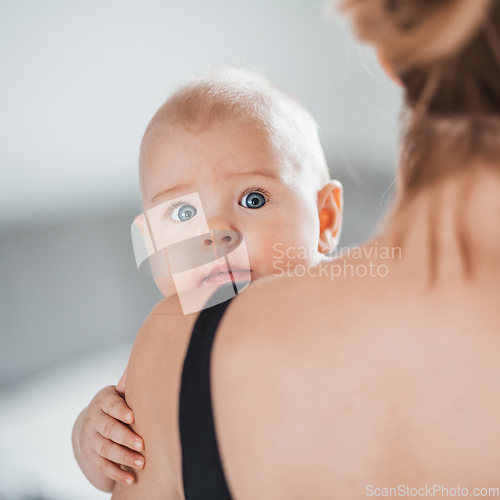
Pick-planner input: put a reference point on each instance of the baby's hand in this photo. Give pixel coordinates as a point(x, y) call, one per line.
point(104, 441)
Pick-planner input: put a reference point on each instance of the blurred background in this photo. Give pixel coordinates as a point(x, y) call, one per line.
point(80, 81)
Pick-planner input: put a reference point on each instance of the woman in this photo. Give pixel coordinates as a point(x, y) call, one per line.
point(384, 380)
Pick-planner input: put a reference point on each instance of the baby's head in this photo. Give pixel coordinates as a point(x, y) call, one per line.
point(250, 154)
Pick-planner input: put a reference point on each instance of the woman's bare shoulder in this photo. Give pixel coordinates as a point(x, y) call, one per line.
point(304, 368)
point(261, 366)
point(281, 350)
point(153, 382)
point(265, 309)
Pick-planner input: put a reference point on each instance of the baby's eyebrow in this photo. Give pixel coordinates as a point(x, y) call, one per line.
point(171, 189)
point(259, 172)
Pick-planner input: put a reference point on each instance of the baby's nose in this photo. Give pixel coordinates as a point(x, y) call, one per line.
point(224, 241)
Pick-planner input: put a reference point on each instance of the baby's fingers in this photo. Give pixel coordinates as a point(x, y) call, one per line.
point(114, 430)
point(116, 453)
point(115, 406)
point(111, 470)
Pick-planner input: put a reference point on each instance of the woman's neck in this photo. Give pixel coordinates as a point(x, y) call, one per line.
point(451, 230)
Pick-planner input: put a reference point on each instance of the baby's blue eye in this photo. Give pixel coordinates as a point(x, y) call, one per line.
point(184, 213)
point(253, 200)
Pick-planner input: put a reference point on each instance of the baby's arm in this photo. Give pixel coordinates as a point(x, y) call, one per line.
point(101, 442)
point(153, 383)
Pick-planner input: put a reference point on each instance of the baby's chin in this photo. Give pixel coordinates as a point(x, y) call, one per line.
point(166, 286)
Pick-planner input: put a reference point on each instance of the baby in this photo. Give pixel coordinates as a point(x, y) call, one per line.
point(228, 154)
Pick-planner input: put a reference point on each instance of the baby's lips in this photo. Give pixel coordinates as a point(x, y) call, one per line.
point(223, 268)
point(220, 275)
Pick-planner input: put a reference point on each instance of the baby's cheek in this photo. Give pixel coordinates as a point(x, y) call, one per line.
point(282, 255)
point(283, 242)
point(166, 286)
point(301, 248)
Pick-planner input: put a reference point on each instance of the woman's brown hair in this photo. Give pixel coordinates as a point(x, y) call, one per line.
point(447, 55)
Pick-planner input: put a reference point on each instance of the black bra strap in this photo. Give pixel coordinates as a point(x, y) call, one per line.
point(202, 472)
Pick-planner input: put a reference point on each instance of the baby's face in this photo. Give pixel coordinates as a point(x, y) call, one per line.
point(243, 185)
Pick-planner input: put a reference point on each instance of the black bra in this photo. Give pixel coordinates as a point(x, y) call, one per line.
point(202, 472)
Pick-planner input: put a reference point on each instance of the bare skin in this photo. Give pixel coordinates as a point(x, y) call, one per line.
point(333, 386)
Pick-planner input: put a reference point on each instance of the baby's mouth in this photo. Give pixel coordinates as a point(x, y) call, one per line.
point(221, 276)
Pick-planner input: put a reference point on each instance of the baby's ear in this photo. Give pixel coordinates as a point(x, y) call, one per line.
point(330, 210)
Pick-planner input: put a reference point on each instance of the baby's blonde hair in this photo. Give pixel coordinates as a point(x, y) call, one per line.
point(234, 94)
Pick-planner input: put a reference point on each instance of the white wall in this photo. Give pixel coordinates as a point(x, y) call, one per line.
point(81, 79)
